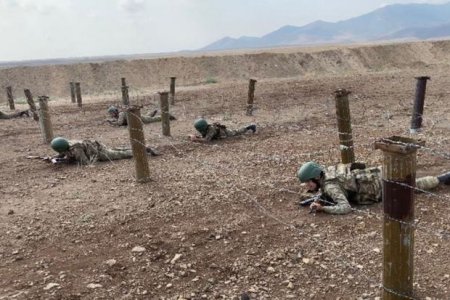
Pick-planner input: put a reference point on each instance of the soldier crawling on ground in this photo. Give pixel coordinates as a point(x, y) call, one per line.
point(87, 152)
point(355, 183)
point(216, 131)
point(18, 114)
point(119, 118)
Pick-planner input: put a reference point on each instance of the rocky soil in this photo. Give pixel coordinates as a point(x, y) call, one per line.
point(219, 220)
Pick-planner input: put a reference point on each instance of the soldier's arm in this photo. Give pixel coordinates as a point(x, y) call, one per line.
point(79, 156)
point(335, 192)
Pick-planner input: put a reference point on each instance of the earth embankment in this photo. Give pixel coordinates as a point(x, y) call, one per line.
point(101, 77)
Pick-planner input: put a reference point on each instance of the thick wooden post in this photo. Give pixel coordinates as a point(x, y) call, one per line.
point(10, 97)
point(172, 90)
point(44, 120)
point(125, 95)
point(72, 92)
point(417, 114)
point(251, 96)
point(398, 175)
point(137, 141)
point(78, 94)
point(344, 126)
point(30, 101)
point(165, 117)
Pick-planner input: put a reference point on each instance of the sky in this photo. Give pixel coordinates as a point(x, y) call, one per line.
point(44, 29)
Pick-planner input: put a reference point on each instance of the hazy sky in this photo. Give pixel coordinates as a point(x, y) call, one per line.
point(39, 29)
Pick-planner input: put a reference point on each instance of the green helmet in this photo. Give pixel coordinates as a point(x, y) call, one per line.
point(201, 125)
point(113, 110)
point(60, 144)
point(309, 171)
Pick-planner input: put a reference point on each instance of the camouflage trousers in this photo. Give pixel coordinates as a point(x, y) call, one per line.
point(114, 154)
point(236, 132)
point(427, 182)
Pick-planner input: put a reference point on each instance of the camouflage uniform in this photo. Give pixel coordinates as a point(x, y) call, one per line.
point(19, 114)
point(219, 131)
point(121, 120)
point(89, 151)
point(343, 185)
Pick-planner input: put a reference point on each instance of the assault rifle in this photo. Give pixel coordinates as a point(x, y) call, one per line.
point(308, 201)
point(53, 160)
point(324, 200)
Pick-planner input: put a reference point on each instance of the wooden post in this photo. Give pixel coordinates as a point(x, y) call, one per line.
point(172, 90)
point(30, 101)
point(125, 95)
point(417, 114)
point(78, 94)
point(72, 92)
point(344, 126)
point(251, 96)
point(399, 175)
point(137, 141)
point(165, 117)
point(9, 94)
point(44, 119)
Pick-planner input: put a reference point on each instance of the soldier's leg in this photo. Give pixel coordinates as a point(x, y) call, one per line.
point(4, 116)
point(148, 119)
point(427, 182)
point(115, 154)
point(231, 132)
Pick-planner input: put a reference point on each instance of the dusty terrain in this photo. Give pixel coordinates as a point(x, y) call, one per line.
point(221, 219)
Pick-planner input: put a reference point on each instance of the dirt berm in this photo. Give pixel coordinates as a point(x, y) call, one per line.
point(97, 78)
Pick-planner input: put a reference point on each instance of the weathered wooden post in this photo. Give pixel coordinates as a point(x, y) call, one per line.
point(31, 103)
point(137, 141)
point(398, 175)
point(10, 97)
point(344, 126)
point(78, 94)
point(72, 92)
point(44, 119)
point(172, 90)
point(251, 96)
point(416, 120)
point(165, 117)
point(125, 95)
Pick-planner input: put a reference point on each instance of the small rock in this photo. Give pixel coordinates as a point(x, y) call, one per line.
point(111, 262)
point(50, 286)
point(175, 258)
point(94, 286)
point(10, 212)
point(138, 249)
point(270, 270)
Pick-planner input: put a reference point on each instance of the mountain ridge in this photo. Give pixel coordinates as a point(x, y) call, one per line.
point(389, 22)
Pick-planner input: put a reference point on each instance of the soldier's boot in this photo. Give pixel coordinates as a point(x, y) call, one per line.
point(251, 127)
point(151, 151)
point(24, 113)
point(444, 178)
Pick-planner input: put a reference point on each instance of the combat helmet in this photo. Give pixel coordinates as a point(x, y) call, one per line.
point(113, 110)
point(201, 125)
point(308, 171)
point(60, 144)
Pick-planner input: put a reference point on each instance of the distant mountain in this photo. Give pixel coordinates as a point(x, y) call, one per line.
point(414, 21)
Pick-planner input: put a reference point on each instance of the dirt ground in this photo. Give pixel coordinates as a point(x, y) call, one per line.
point(221, 219)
